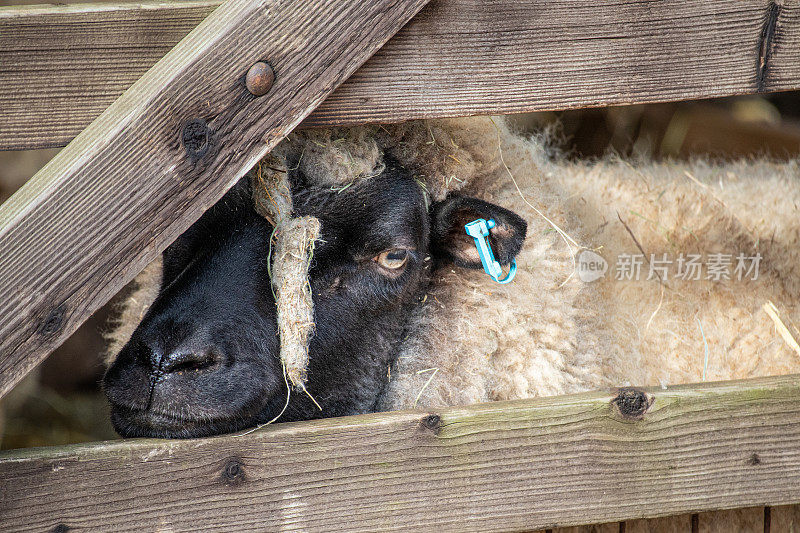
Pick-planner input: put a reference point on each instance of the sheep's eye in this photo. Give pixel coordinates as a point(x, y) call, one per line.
point(392, 259)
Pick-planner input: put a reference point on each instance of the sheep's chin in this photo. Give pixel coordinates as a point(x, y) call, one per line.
point(132, 423)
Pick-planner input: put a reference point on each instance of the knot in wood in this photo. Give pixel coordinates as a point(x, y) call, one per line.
point(196, 137)
point(233, 472)
point(53, 322)
point(432, 422)
point(632, 403)
point(259, 78)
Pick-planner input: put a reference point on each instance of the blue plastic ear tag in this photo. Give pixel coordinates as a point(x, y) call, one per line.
point(479, 230)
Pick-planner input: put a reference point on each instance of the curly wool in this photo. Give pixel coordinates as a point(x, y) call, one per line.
point(441, 154)
point(293, 253)
point(497, 342)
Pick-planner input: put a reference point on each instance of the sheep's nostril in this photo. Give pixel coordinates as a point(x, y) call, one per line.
point(178, 363)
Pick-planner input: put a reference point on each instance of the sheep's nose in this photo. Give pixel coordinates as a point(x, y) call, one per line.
point(194, 361)
point(180, 348)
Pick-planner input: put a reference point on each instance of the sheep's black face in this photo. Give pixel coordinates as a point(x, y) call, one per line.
point(205, 358)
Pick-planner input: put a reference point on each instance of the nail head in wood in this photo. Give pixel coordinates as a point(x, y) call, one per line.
point(260, 78)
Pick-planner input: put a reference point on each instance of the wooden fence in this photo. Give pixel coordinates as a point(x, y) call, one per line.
point(523, 465)
point(457, 57)
point(141, 166)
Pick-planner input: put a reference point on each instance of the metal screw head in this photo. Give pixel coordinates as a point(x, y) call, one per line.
point(260, 78)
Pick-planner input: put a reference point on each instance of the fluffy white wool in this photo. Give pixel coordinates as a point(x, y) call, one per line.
point(550, 333)
point(498, 342)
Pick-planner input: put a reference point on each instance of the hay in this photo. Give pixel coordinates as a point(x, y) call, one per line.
point(787, 336)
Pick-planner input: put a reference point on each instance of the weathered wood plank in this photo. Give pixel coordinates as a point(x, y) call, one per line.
point(61, 66)
point(493, 467)
point(165, 151)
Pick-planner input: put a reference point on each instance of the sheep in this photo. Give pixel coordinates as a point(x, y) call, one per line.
point(204, 358)
point(468, 339)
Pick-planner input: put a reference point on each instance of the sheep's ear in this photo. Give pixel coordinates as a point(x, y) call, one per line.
point(449, 239)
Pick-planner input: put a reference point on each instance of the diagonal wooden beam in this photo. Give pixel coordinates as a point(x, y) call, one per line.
point(507, 466)
point(62, 65)
point(165, 151)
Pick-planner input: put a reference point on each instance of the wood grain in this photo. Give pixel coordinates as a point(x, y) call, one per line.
point(122, 190)
point(61, 66)
point(493, 467)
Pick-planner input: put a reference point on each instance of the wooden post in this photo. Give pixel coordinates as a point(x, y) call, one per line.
point(523, 465)
point(164, 152)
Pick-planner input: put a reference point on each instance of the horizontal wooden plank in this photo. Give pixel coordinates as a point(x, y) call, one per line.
point(165, 151)
point(60, 66)
point(578, 459)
